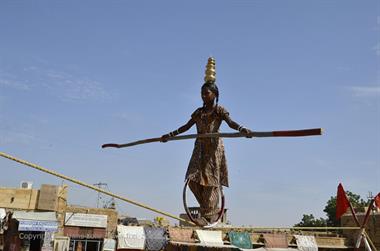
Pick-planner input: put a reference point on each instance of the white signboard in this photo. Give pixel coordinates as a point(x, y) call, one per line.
point(36, 225)
point(86, 220)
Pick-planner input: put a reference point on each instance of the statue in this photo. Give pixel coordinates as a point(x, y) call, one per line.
point(207, 171)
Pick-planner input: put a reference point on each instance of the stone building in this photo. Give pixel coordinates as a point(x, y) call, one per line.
point(38, 219)
point(372, 228)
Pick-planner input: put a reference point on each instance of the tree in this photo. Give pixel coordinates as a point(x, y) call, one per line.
point(330, 208)
point(308, 220)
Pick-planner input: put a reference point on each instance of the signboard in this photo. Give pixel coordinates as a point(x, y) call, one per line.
point(36, 225)
point(109, 245)
point(86, 220)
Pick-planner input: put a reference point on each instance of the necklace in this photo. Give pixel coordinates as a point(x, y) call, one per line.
point(205, 113)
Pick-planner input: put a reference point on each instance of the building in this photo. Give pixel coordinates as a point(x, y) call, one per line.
point(39, 219)
point(89, 227)
point(32, 215)
point(372, 228)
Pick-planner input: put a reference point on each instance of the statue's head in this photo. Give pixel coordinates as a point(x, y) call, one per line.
point(210, 92)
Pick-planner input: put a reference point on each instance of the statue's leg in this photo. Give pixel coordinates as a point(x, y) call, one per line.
point(197, 190)
point(209, 208)
point(207, 197)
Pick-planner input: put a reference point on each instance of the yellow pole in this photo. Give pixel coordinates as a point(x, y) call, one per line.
point(292, 228)
point(78, 182)
point(370, 241)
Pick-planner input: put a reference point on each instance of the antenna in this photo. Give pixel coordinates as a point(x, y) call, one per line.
point(105, 204)
point(370, 196)
point(100, 185)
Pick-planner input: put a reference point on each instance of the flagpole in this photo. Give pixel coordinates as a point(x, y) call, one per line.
point(361, 234)
point(354, 213)
point(366, 218)
point(370, 241)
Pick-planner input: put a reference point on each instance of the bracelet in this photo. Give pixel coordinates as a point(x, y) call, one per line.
point(241, 128)
point(173, 133)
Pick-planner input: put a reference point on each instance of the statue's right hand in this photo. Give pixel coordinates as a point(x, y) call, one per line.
point(164, 138)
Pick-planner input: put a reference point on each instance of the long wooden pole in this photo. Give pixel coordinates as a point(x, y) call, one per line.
point(78, 182)
point(370, 241)
point(361, 233)
point(288, 133)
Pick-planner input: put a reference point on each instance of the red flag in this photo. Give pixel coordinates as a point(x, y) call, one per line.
point(377, 200)
point(342, 202)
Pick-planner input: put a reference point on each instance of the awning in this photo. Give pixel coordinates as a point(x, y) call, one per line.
point(275, 249)
point(109, 245)
point(210, 237)
point(225, 247)
point(306, 242)
point(130, 237)
point(3, 213)
point(39, 216)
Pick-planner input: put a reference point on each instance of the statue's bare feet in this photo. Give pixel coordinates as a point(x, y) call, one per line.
point(212, 218)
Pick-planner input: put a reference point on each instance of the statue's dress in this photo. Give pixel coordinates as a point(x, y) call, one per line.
point(207, 169)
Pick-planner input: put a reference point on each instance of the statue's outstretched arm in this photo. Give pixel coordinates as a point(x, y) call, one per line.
point(182, 129)
point(232, 124)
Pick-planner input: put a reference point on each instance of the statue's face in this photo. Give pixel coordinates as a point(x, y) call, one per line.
point(207, 95)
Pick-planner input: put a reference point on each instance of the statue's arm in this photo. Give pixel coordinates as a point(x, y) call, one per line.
point(232, 124)
point(185, 127)
point(180, 130)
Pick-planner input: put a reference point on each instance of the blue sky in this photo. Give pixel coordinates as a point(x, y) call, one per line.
point(75, 75)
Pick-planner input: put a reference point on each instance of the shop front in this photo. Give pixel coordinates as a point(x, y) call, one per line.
point(86, 231)
point(36, 229)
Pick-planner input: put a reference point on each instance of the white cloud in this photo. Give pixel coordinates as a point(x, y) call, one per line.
point(82, 89)
point(63, 85)
point(16, 138)
point(70, 87)
point(365, 91)
point(10, 81)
